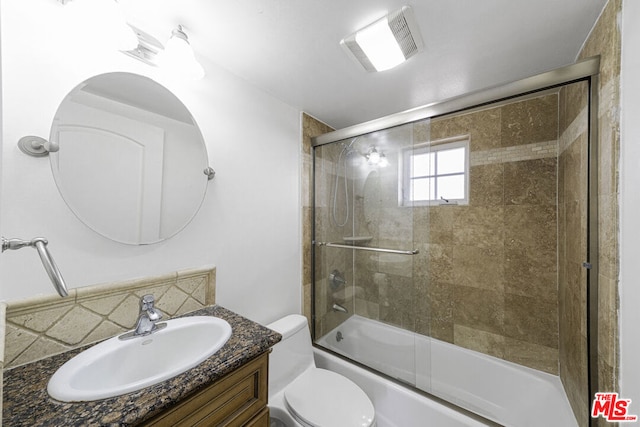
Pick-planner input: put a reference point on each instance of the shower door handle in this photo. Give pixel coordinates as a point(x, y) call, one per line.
point(367, 248)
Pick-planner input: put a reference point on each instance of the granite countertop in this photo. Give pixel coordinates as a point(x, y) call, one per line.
point(27, 403)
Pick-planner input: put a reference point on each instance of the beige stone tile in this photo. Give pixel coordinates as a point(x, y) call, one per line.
point(127, 313)
point(104, 304)
point(531, 182)
point(191, 284)
point(486, 185)
point(608, 157)
point(532, 227)
point(574, 170)
point(210, 298)
point(188, 306)
point(41, 320)
point(608, 320)
point(607, 376)
point(368, 309)
point(157, 290)
point(40, 302)
point(572, 303)
point(439, 315)
point(483, 128)
point(481, 227)
point(531, 319)
point(195, 286)
point(608, 236)
point(576, 231)
point(531, 120)
point(530, 264)
point(74, 326)
point(441, 220)
point(307, 302)
point(170, 301)
point(531, 355)
point(103, 331)
point(480, 309)
point(17, 340)
point(576, 97)
point(604, 40)
point(576, 387)
point(41, 348)
point(479, 267)
point(438, 263)
point(479, 340)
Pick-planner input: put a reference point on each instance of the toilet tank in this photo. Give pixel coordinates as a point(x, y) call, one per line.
point(291, 356)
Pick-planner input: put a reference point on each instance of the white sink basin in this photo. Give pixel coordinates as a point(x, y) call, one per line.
point(115, 367)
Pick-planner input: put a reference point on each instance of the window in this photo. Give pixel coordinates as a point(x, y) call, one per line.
point(437, 173)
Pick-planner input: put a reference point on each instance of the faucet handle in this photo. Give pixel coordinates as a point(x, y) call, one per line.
point(147, 302)
point(147, 306)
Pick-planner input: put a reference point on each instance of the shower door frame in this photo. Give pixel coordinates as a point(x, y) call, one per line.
point(585, 70)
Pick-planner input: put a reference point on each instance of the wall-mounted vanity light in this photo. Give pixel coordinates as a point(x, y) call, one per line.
point(105, 20)
point(385, 43)
point(176, 57)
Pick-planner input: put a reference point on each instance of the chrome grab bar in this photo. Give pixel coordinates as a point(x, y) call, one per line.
point(368, 248)
point(40, 243)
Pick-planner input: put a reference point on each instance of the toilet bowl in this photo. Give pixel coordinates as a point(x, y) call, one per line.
point(301, 394)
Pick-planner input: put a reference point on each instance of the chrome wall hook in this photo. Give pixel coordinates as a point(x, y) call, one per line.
point(36, 146)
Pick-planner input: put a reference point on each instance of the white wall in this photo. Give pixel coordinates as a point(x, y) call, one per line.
point(248, 226)
point(630, 206)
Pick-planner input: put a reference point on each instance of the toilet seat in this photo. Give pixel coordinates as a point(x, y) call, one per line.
point(321, 398)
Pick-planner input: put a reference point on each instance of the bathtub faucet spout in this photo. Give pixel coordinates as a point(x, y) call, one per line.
point(338, 307)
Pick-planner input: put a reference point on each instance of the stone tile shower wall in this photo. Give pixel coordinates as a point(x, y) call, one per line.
point(40, 327)
point(604, 40)
point(486, 274)
point(310, 128)
point(328, 260)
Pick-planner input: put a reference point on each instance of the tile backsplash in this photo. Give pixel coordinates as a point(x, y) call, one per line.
point(43, 326)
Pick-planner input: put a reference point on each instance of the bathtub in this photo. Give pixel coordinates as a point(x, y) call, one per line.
point(507, 393)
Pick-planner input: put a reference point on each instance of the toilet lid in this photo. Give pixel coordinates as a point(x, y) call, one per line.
point(322, 398)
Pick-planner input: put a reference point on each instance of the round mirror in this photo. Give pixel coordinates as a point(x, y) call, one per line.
point(131, 158)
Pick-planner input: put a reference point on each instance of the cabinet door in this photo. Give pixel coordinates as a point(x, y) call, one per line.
point(234, 400)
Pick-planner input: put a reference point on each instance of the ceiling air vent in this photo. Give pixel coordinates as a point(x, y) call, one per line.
point(386, 42)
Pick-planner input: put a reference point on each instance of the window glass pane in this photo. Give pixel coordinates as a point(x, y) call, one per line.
point(422, 189)
point(451, 161)
point(451, 187)
point(422, 164)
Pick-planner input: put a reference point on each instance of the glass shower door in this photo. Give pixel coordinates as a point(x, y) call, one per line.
point(366, 304)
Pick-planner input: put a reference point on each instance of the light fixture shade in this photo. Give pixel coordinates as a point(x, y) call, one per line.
point(178, 57)
point(386, 42)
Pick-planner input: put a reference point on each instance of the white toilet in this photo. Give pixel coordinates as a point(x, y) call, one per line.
point(301, 394)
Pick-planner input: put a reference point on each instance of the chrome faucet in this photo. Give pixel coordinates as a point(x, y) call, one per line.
point(147, 319)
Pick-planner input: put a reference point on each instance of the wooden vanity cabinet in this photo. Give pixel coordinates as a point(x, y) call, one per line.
point(237, 399)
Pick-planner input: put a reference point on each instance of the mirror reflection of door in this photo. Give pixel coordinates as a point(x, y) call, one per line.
point(133, 195)
point(131, 158)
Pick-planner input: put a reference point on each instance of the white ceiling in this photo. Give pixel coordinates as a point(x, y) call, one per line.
point(290, 48)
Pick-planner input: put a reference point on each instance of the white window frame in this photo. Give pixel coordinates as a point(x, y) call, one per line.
point(404, 180)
